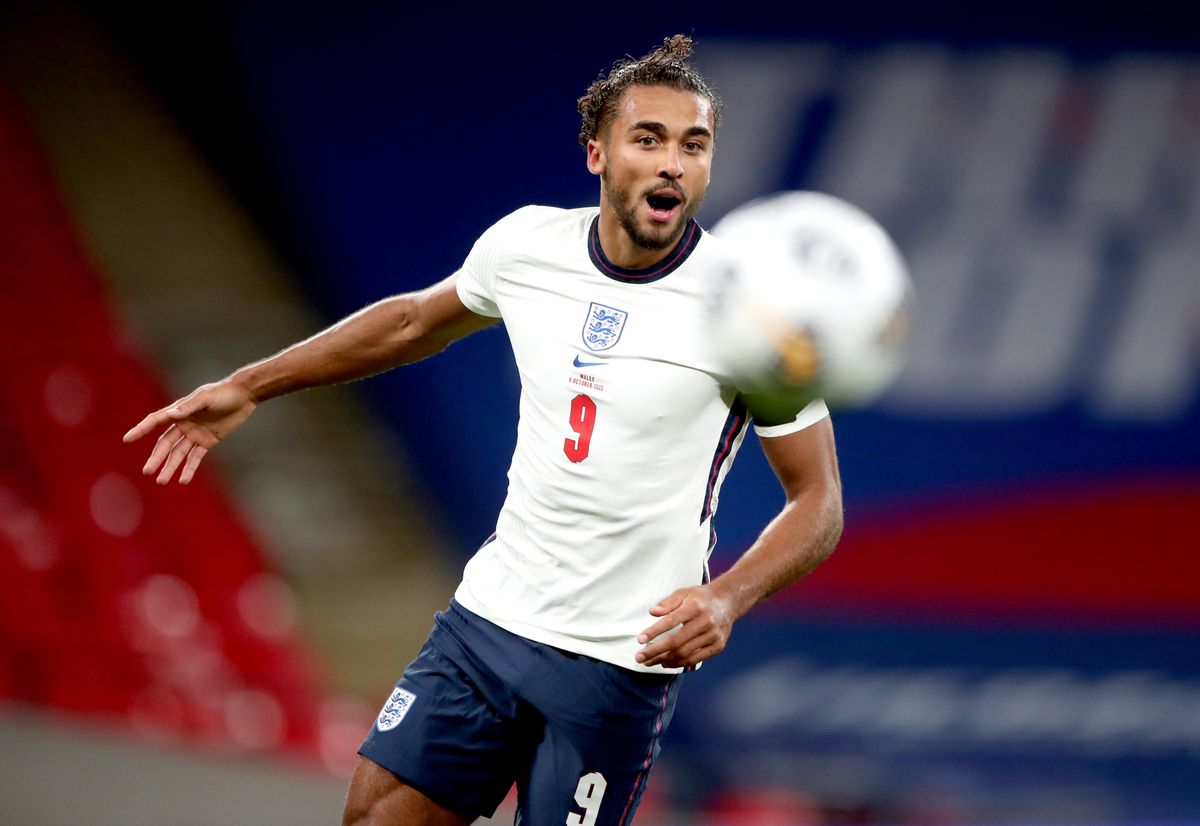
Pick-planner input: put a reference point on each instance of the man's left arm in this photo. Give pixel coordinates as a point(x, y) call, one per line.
point(795, 542)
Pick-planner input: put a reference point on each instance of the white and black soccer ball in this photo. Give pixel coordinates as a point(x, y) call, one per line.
point(814, 302)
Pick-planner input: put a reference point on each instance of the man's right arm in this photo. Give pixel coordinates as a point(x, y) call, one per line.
point(391, 332)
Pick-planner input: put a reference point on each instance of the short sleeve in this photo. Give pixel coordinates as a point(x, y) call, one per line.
point(809, 415)
point(476, 283)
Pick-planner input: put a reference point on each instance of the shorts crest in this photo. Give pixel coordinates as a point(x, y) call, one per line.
point(395, 709)
point(603, 326)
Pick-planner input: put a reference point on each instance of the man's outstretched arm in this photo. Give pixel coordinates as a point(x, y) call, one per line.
point(796, 541)
point(391, 332)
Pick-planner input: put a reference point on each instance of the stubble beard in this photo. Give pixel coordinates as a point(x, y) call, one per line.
point(626, 209)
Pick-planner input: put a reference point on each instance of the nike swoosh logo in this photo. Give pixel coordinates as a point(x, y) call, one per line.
point(579, 363)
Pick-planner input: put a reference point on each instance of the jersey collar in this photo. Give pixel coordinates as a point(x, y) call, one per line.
point(673, 261)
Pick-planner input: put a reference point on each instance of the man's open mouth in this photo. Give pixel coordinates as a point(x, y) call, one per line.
point(663, 204)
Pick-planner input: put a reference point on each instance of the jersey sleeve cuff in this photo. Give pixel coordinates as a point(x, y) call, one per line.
point(812, 413)
point(472, 300)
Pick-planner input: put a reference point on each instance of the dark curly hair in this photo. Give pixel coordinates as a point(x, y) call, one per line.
point(665, 66)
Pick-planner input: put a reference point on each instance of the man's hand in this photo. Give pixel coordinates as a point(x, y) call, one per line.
point(704, 621)
point(194, 425)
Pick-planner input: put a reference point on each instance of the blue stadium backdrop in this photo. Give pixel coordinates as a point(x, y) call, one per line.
point(1012, 623)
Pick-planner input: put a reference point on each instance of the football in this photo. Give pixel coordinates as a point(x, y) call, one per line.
point(813, 301)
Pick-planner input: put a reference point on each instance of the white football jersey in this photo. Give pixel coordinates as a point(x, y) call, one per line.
point(626, 432)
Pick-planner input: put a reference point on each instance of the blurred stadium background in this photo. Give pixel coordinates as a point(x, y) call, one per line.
point(1009, 632)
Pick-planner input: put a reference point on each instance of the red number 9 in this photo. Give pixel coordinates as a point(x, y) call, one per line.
point(583, 420)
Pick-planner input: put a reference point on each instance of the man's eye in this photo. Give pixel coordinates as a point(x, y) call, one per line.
point(646, 140)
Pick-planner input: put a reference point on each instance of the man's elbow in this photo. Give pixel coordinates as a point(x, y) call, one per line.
point(411, 335)
point(835, 522)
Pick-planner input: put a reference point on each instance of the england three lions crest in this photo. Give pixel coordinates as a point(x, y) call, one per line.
point(602, 327)
point(394, 709)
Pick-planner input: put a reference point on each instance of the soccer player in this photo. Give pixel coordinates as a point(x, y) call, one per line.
point(556, 665)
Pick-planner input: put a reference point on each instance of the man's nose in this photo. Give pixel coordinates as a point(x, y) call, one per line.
point(672, 165)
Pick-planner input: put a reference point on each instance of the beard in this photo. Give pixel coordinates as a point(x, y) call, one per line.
point(626, 207)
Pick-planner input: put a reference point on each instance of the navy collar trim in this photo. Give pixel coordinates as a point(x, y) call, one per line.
point(673, 261)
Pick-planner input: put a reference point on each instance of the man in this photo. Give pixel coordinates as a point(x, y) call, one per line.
point(556, 665)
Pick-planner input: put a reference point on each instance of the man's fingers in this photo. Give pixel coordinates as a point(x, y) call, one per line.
point(670, 653)
point(164, 416)
point(146, 425)
point(685, 653)
point(678, 615)
point(672, 642)
point(668, 604)
point(186, 407)
point(699, 655)
point(179, 452)
point(195, 456)
point(162, 448)
point(661, 627)
point(654, 654)
point(696, 650)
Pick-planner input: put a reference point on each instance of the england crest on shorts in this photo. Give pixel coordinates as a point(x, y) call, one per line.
point(395, 709)
point(603, 326)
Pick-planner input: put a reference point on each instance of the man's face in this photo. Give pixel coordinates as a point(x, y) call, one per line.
point(653, 161)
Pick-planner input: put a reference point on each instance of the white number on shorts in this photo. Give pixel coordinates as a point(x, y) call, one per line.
point(588, 794)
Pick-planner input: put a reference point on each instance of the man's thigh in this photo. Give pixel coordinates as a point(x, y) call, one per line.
point(377, 797)
point(602, 734)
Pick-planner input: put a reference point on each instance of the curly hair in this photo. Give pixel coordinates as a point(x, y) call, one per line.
point(665, 66)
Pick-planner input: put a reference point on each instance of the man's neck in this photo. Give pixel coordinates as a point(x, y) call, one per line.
point(621, 250)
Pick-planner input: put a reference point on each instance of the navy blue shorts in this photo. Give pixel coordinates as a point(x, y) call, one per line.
point(480, 709)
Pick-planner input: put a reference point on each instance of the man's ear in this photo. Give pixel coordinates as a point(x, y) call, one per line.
point(597, 158)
